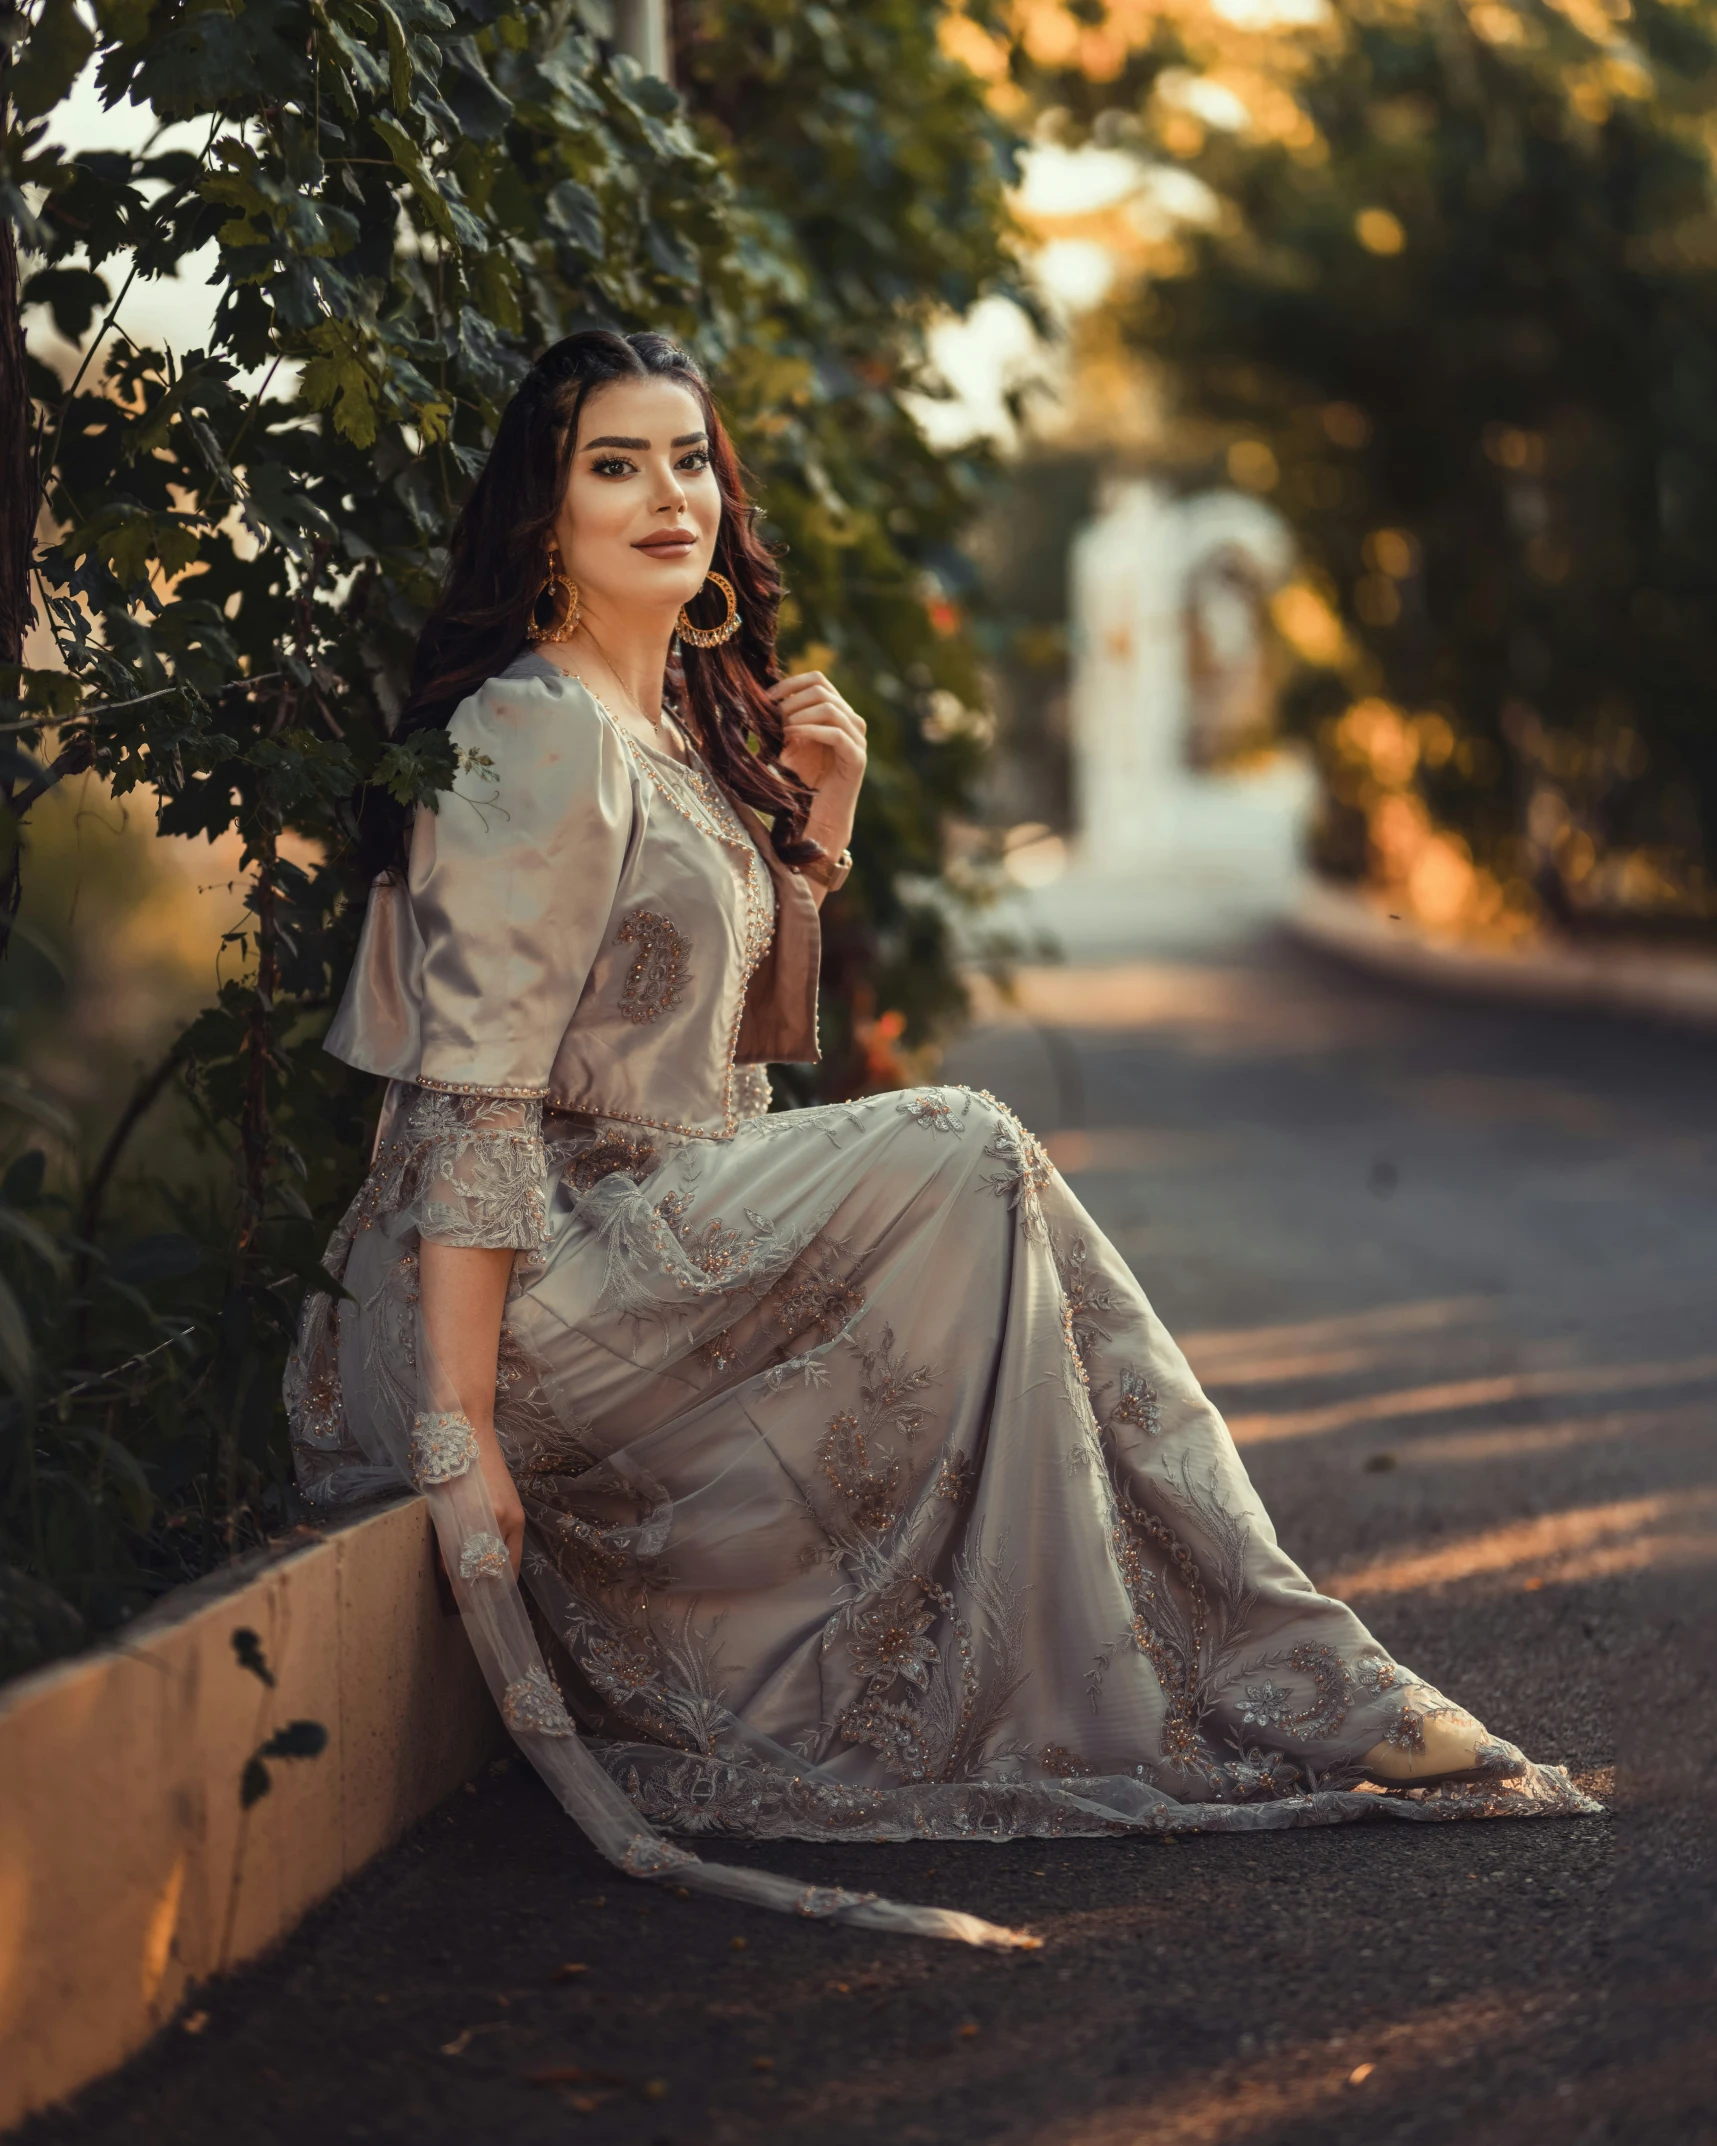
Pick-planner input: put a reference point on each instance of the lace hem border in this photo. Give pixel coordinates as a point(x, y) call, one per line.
point(711, 1796)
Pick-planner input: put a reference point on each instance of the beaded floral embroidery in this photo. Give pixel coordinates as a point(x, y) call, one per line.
point(870, 1492)
point(1140, 1405)
point(1065, 1765)
point(472, 1168)
point(443, 1445)
point(611, 1153)
point(935, 1111)
point(955, 1478)
point(484, 1557)
point(655, 982)
point(1026, 1169)
point(889, 1641)
point(923, 1741)
point(647, 1857)
point(531, 1703)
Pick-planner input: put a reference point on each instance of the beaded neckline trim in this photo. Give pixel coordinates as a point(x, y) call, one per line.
point(698, 798)
point(713, 815)
point(479, 1087)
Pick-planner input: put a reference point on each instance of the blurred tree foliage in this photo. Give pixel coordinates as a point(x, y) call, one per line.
point(1443, 281)
point(864, 156)
point(404, 199)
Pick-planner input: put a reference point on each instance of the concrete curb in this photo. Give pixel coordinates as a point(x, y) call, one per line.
point(129, 1869)
point(1665, 986)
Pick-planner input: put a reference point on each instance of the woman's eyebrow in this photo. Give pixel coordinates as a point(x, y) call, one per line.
point(613, 439)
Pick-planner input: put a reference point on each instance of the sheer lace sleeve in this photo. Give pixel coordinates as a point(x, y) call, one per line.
point(473, 1172)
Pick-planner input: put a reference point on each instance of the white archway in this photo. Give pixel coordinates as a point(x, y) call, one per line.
point(1170, 668)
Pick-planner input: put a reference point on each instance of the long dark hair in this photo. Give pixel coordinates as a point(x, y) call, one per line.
point(496, 560)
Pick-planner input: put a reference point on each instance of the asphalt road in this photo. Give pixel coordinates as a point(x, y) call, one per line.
point(1452, 1273)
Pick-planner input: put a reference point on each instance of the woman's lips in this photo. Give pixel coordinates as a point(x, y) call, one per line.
point(669, 545)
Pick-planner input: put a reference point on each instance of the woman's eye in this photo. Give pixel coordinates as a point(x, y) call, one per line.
point(696, 460)
point(610, 466)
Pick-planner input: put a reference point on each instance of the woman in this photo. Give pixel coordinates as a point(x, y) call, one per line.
point(858, 1490)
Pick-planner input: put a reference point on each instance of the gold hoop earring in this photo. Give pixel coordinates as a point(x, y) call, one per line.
point(564, 623)
point(712, 636)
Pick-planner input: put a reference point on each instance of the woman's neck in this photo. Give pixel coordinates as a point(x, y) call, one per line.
point(629, 654)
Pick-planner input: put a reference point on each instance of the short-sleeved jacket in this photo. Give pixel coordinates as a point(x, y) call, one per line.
point(584, 920)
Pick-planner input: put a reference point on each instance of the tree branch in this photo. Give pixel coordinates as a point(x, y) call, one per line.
point(17, 512)
point(46, 721)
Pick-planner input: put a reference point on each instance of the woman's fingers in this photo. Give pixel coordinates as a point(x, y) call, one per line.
point(821, 704)
point(807, 688)
point(820, 711)
point(798, 682)
point(822, 758)
point(839, 741)
point(822, 708)
point(825, 732)
point(823, 744)
point(503, 1496)
point(510, 1519)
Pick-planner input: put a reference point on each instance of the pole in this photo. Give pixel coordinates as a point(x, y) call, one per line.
point(641, 29)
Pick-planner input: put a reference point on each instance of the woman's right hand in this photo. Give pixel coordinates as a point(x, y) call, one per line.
point(504, 1496)
point(464, 1299)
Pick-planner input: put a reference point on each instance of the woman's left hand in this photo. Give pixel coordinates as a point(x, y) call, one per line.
point(824, 746)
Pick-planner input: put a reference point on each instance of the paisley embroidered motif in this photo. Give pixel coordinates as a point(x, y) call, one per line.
point(1336, 1687)
point(656, 980)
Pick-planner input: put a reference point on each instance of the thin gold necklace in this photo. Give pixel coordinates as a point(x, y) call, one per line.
point(662, 727)
point(654, 722)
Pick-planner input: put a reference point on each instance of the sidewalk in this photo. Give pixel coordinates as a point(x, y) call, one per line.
point(1601, 978)
point(1205, 906)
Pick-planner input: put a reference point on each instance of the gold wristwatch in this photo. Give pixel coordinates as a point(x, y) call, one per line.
point(830, 873)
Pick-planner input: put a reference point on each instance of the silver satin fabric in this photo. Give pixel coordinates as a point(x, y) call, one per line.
point(580, 921)
point(866, 1495)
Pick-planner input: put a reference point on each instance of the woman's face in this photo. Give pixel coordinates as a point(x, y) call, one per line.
point(638, 524)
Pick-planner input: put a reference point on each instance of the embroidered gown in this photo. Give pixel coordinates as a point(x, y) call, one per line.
point(866, 1496)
